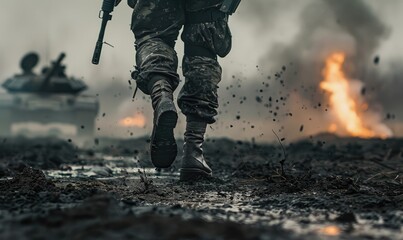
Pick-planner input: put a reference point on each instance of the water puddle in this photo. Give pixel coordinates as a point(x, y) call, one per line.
point(111, 168)
point(241, 208)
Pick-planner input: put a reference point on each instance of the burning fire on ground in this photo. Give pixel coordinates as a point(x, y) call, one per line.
point(138, 120)
point(351, 112)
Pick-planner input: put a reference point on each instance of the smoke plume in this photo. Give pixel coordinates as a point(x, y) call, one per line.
point(288, 94)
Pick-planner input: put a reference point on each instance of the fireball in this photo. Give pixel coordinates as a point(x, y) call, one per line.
point(138, 120)
point(348, 108)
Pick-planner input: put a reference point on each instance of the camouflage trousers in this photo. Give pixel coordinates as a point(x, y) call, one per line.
point(156, 25)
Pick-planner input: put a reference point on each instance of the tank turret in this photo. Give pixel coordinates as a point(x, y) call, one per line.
point(53, 79)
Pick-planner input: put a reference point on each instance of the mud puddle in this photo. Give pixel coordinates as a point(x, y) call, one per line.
point(109, 168)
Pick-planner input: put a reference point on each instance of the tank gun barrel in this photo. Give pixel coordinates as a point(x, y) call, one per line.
point(53, 70)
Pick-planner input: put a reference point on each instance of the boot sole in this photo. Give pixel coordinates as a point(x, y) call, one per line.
point(163, 144)
point(194, 174)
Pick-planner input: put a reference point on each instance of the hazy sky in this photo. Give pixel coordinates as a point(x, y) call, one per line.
point(51, 26)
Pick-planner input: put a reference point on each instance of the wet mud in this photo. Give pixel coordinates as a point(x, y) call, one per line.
point(328, 188)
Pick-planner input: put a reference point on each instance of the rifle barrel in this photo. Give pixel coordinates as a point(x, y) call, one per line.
point(106, 10)
point(98, 47)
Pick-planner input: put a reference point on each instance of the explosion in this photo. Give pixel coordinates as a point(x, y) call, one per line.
point(349, 108)
point(330, 230)
point(138, 120)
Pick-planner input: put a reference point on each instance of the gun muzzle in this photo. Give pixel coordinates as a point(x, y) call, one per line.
point(97, 52)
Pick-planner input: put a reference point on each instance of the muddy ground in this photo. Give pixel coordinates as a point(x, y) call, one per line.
point(331, 188)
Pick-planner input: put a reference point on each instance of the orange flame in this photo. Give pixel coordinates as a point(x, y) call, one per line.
point(345, 106)
point(333, 128)
point(137, 120)
point(330, 230)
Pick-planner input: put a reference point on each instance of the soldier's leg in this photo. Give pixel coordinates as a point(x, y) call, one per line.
point(206, 35)
point(156, 25)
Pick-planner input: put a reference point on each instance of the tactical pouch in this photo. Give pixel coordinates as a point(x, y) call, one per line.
point(230, 6)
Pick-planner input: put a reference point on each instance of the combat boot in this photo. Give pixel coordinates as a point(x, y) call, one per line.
point(163, 148)
point(194, 166)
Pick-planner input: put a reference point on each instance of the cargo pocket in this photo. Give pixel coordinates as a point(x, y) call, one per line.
point(222, 38)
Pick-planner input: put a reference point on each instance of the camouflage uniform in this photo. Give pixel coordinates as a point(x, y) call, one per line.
point(156, 25)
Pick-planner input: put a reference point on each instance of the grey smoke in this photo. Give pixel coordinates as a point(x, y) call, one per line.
point(327, 26)
point(324, 27)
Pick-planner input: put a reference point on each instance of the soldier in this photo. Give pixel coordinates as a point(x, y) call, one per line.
point(156, 25)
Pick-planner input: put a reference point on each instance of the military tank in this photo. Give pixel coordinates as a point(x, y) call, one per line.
point(48, 97)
